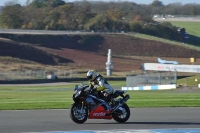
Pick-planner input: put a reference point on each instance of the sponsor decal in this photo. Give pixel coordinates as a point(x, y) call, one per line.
point(160, 67)
point(99, 114)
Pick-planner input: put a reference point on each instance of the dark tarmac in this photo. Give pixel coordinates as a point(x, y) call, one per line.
point(58, 120)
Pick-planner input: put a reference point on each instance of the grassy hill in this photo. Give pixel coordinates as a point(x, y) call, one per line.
point(82, 52)
point(191, 27)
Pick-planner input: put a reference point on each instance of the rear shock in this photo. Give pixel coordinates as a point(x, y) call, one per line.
point(121, 102)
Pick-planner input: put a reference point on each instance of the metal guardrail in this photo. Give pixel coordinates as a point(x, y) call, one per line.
point(37, 74)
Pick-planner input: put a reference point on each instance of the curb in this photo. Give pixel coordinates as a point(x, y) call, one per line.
point(154, 87)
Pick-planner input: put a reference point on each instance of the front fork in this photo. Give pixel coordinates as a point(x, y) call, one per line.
point(81, 105)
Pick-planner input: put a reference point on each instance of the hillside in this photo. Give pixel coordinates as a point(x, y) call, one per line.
point(90, 51)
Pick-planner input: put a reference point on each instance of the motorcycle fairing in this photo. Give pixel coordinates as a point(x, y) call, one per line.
point(99, 113)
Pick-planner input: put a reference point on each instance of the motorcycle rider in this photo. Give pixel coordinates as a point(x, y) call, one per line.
point(98, 80)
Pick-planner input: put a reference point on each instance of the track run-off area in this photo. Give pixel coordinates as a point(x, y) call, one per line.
point(142, 120)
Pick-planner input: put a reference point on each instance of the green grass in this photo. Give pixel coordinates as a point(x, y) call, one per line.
point(168, 98)
point(190, 81)
point(60, 97)
point(144, 36)
point(192, 28)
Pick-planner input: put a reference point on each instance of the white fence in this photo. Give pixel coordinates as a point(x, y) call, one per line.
point(151, 79)
point(187, 18)
point(176, 16)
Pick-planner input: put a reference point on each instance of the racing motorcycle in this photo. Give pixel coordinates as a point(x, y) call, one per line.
point(88, 105)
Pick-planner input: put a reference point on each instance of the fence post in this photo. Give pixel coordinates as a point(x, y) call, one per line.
point(70, 73)
point(170, 77)
point(186, 82)
point(160, 77)
point(30, 74)
point(58, 73)
point(76, 74)
point(65, 73)
point(175, 77)
point(44, 74)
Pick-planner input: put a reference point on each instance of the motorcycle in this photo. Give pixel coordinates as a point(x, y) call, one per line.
point(88, 105)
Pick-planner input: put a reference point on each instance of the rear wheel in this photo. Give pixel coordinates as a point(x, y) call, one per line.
point(122, 114)
point(78, 114)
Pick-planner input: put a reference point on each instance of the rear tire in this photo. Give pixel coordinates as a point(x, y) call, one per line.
point(123, 117)
point(77, 115)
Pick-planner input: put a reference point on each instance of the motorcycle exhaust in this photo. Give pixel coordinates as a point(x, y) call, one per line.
point(120, 103)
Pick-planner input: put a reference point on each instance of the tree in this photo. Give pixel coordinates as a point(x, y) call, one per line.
point(11, 2)
point(11, 16)
point(157, 3)
point(45, 3)
point(28, 2)
point(194, 10)
point(136, 26)
point(54, 3)
point(137, 18)
point(115, 14)
point(100, 23)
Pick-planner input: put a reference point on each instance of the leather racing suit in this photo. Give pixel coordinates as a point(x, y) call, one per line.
point(99, 84)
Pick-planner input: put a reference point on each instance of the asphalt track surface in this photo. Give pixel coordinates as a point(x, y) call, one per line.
point(58, 120)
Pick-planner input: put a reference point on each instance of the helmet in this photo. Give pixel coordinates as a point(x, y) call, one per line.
point(91, 75)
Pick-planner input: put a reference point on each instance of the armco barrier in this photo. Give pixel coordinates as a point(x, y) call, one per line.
point(35, 81)
point(154, 87)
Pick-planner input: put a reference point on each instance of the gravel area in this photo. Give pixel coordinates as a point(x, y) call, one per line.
point(187, 89)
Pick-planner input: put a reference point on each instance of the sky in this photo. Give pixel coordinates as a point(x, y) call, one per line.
point(165, 2)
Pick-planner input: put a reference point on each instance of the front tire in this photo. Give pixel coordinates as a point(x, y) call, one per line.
point(122, 116)
point(77, 114)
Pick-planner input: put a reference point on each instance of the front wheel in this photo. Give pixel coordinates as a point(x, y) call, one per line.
point(122, 114)
point(78, 114)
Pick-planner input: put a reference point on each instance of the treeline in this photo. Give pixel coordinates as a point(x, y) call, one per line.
point(94, 16)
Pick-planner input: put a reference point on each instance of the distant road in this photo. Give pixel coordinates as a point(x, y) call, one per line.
point(51, 32)
point(59, 120)
point(179, 19)
point(19, 31)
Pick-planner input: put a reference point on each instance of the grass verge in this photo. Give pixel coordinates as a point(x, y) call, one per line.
point(60, 97)
point(190, 81)
point(144, 36)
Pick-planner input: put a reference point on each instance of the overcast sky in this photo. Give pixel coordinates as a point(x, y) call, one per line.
point(165, 2)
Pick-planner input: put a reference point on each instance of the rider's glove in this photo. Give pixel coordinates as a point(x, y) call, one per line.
point(105, 94)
